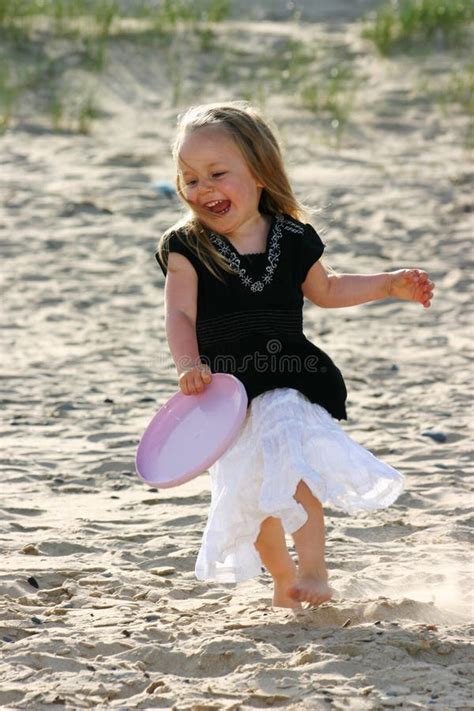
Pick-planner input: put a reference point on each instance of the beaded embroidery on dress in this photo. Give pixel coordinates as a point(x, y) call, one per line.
point(273, 256)
point(285, 438)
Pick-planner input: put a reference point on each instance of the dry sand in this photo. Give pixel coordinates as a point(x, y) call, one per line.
point(100, 606)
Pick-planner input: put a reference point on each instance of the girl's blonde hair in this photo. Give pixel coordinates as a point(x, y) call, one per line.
point(260, 149)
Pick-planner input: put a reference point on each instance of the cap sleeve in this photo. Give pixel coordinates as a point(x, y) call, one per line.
point(312, 248)
point(176, 244)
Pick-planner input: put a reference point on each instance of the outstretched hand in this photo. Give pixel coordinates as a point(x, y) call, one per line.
point(411, 285)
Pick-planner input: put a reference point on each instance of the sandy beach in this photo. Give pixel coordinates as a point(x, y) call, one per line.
point(100, 607)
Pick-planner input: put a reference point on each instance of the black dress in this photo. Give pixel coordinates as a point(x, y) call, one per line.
point(251, 325)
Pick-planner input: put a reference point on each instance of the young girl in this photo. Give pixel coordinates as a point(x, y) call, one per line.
point(237, 269)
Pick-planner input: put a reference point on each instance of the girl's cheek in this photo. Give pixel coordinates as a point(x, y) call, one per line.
point(188, 194)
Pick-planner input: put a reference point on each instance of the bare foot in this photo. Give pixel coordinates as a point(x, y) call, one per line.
point(310, 589)
point(280, 593)
point(282, 599)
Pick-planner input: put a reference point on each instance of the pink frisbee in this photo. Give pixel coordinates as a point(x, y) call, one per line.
point(190, 432)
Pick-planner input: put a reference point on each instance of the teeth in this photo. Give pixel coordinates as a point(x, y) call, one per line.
point(212, 204)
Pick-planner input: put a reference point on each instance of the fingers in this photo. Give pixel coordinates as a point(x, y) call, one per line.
point(418, 274)
point(427, 294)
point(424, 287)
point(186, 383)
point(193, 381)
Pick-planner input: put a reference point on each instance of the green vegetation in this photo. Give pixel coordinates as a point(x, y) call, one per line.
point(33, 33)
point(56, 111)
point(291, 63)
point(8, 95)
point(332, 97)
point(87, 110)
point(407, 24)
point(181, 34)
point(420, 28)
point(461, 88)
point(51, 50)
point(73, 113)
point(69, 16)
point(458, 92)
point(64, 16)
point(94, 54)
point(315, 80)
point(171, 13)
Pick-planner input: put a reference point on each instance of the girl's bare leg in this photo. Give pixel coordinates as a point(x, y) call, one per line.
point(312, 578)
point(271, 546)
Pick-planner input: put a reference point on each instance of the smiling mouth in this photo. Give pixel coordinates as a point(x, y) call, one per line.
point(218, 207)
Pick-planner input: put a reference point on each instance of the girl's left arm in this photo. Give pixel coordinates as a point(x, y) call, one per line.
point(338, 290)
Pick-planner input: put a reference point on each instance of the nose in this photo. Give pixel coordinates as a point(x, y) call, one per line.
point(205, 185)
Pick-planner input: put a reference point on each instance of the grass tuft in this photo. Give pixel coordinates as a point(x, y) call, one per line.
point(88, 110)
point(94, 54)
point(458, 92)
point(56, 111)
point(292, 63)
point(404, 24)
point(332, 98)
point(170, 14)
point(9, 93)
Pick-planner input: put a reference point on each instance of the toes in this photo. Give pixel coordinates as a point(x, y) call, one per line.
point(302, 596)
point(313, 598)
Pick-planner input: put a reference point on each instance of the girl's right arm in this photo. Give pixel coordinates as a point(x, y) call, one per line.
point(181, 288)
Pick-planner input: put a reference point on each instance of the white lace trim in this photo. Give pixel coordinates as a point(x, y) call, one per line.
point(274, 252)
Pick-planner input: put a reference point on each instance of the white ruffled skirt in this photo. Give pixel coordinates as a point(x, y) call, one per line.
point(284, 439)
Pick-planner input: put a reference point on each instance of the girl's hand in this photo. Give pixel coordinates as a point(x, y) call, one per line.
point(194, 380)
point(411, 285)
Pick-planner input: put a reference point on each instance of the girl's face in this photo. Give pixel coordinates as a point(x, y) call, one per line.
point(217, 182)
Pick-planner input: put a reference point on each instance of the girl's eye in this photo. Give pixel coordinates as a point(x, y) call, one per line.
point(219, 175)
point(190, 183)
